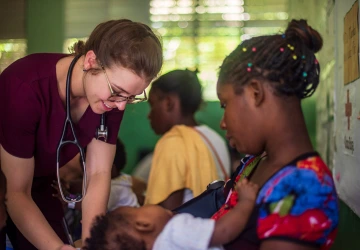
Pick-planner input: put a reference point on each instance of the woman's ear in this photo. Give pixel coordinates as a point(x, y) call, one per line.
point(90, 60)
point(144, 226)
point(257, 91)
point(171, 102)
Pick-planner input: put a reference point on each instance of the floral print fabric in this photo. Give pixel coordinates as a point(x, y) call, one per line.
point(299, 203)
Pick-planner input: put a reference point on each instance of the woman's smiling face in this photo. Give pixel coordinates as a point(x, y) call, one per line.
point(122, 81)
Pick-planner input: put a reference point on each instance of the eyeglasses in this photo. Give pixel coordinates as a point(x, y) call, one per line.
point(116, 97)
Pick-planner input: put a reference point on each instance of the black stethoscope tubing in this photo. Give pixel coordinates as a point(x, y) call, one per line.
point(62, 142)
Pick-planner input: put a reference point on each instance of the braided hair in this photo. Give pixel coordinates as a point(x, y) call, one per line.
point(287, 60)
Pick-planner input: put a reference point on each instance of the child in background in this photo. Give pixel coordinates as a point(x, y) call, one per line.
point(121, 193)
point(153, 227)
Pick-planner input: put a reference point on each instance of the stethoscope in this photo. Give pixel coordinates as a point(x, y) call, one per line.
point(101, 132)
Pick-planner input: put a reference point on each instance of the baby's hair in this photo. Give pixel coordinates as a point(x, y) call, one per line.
point(185, 84)
point(286, 60)
point(110, 232)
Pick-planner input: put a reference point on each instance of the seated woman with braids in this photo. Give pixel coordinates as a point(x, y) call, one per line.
point(260, 87)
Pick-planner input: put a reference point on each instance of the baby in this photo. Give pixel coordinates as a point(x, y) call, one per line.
point(153, 227)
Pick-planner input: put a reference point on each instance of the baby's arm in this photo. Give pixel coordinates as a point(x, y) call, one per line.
point(228, 227)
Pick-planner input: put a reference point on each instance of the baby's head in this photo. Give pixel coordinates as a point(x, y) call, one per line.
point(128, 228)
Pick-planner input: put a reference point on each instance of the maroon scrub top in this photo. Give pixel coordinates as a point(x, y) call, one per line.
point(31, 122)
point(32, 114)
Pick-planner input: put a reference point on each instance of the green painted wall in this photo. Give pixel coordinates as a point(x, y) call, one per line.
point(44, 25)
point(309, 111)
point(349, 228)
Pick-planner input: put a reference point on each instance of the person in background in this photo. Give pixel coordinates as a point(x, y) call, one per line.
point(111, 69)
point(260, 88)
point(140, 176)
point(142, 168)
point(188, 156)
point(139, 188)
point(121, 192)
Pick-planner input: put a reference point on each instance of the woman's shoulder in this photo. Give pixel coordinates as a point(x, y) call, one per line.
point(28, 71)
point(306, 168)
point(300, 199)
point(33, 65)
point(300, 174)
point(176, 134)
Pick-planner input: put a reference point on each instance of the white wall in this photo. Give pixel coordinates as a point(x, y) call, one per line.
point(346, 155)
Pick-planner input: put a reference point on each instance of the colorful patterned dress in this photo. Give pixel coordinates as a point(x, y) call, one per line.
point(298, 203)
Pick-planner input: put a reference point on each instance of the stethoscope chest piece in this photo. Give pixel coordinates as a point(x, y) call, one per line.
point(102, 131)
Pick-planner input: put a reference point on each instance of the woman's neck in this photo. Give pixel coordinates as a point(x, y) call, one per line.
point(288, 139)
point(76, 86)
point(187, 121)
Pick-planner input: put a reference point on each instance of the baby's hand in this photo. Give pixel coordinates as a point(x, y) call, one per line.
point(67, 247)
point(247, 190)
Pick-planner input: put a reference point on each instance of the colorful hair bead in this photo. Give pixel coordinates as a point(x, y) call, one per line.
point(303, 57)
point(304, 74)
point(253, 49)
point(294, 57)
point(281, 49)
point(283, 35)
point(291, 47)
point(316, 61)
point(244, 49)
point(249, 67)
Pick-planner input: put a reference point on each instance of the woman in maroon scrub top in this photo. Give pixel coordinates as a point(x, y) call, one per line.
point(120, 57)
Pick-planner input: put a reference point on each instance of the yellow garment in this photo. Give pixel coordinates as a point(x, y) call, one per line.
point(181, 160)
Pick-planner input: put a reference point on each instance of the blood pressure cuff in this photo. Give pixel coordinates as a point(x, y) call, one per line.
point(210, 201)
point(207, 203)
